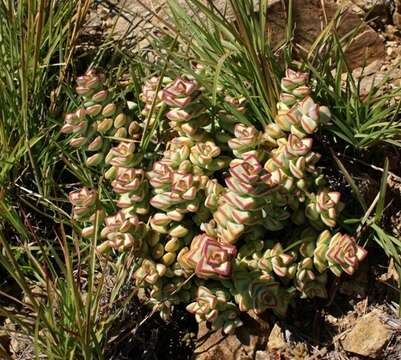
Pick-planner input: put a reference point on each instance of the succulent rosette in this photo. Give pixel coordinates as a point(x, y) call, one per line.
point(149, 272)
point(238, 103)
point(177, 155)
point(122, 233)
point(151, 96)
point(259, 292)
point(303, 118)
point(323, 207)
point(277, 261)
point(186, 112)
point(311, 117)
point(293, 159)
point(242, 203)
point(182, 196)
point(293, 87)
point(173, 236)
point(272, 134)
point(206, 156)
point(133, 189)
point(297, 112)
point(213, 192)
point(338, 252)
point(85, 205)
point(123, 155)
point(213, 306)
point(247, 138)
point(208, 257)
point(83, 202)
point(310, 282)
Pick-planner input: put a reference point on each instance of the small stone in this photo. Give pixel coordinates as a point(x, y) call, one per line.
point(276, 339)
point(368, 337)
point(331, 319)
point(391, 29)
point(262, 355)
point(370, 69)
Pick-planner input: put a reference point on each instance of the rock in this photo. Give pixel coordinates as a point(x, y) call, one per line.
point(276, 339)
point(370, 69)
point(242, 345)
point(262, 355)
point(368, 337)
point(309, 18)
point(365, 48)
point(392, 32)
point(331, 319)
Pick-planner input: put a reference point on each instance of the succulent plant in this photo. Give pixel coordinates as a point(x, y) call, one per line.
point(133, 189)
point(303, 119)
point(258, 292)
point(186, 113)
point(294, 160)
point(323, 207)
point(152, 97)
point(247, 139)
point(201, 213)
point(182, 194)
point(208, 258)
point(122, 233)
point(149, 272)
point(242, 203)
point(122, 155)
point(83, 202)
point(277, 261)
point(98, 120)
point(213, 306)
point(85, 208)
point(310, 282)
point(206, 157)
point(297, 112)
point(294, 87)
point(338, 252)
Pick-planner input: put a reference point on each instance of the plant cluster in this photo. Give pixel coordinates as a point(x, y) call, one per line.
point(230, 218)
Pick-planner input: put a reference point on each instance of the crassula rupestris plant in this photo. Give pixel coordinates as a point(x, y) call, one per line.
point(228, 218)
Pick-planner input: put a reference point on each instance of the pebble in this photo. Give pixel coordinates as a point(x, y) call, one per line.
point(368, 337)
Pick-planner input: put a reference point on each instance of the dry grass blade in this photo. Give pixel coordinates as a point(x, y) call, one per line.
point(350, 181)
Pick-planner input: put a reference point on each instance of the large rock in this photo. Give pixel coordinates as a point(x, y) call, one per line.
point(309, 16)
point(242, 345)
point(310, 19)
point(368, 337)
